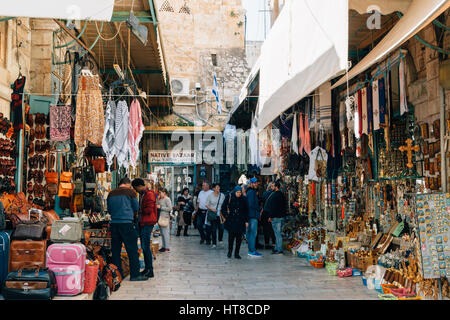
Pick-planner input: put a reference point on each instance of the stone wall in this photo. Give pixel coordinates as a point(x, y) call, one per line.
point(211, 28)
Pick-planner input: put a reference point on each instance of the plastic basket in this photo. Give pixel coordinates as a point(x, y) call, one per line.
point(344, 273)
point(364, 281)
point(356, 272)
point(387, 296)
point(331, 268)
point(387, 287)
point(301, 254)
point(90, 278)
point(318, 265)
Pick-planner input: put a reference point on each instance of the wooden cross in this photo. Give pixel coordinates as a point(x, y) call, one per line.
point(409, 149)
point(386, 132)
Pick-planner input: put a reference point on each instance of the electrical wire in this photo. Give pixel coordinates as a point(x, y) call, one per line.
point(105, 39)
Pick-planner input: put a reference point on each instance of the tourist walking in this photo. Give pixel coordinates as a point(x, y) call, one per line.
point(254, 211)
point(123, 205)
point(201, 212)
point(235, 212)
point(214, 205)
point(267, 226)
point(146, 221)
point(276, 208)
point(165, 206)
point(185, 210)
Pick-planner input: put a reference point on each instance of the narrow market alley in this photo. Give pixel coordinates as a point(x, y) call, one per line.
point(191, 271)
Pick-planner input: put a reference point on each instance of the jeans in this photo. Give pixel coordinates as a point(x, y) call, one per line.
point(201, 215)
point(276, 225)
point(268, 231)
point(221, 228)
point(211, 231)
point(165, 236)
point(127, 234)
point(145, 235)
point(251, 234)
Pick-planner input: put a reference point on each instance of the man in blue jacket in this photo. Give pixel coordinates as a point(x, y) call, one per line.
point(254, 211)
point(123, 207)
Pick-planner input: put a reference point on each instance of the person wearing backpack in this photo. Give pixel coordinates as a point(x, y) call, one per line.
point(148, 216)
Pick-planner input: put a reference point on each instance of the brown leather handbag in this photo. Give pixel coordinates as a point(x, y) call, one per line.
point(24, 253)
point(65, 190)
point(65, 176)
point(50, 175)
point(98, 164)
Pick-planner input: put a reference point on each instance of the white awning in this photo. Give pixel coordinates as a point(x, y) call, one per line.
point(244, 91)
point(420, 13)
point(99, 10)
point(307, 46)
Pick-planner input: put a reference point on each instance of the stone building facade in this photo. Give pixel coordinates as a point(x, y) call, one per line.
point(202, 38)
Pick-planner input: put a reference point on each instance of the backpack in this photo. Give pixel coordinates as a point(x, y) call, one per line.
point(112, 277)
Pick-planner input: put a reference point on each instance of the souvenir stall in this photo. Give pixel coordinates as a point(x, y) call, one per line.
point(363, 185)
point(61, 157)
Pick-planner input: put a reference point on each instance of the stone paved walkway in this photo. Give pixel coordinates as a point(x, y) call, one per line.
point(193, 271)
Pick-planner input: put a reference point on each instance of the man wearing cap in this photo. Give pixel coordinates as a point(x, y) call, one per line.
point(254, 211)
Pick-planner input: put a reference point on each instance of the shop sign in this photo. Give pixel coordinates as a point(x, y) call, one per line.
point(167, 156)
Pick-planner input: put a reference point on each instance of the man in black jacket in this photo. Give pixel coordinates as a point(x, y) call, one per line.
point(276, 209)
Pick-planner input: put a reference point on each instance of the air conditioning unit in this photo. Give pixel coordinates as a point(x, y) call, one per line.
point(180, 87)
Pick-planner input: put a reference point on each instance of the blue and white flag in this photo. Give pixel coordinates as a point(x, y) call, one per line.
point(215, 91)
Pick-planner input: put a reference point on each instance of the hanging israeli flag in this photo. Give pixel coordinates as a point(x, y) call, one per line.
point(215, 91)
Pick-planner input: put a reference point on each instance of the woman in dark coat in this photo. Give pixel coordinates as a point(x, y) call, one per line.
point(235, 210)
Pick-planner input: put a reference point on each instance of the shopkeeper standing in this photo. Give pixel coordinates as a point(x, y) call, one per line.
point(122, 206)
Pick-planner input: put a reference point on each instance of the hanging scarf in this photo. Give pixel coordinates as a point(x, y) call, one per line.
point(375, 105)
point(60, 121)
point(16, 103)
point(360, 113)
point(135, 131)
point(357, 116)
point(109, 133)
point(369, 109)
point(382, 100)
point(294, 138)
point(121, 147)
point(403, 101)
point(364, 111)
point(253, 144)
point(307, 145)
point(301, 134)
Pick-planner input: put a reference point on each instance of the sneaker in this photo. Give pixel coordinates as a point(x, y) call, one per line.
point(213, 246)
point(229, 255)
point(277, 252)
point(162, 250)
point(255, 254)
point(220, 243)
point(237, 257)
point(167, 249)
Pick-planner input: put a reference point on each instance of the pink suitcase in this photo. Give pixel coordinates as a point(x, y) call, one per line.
point(67, 261)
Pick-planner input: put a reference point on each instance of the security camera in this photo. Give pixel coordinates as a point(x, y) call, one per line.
point(198, 87)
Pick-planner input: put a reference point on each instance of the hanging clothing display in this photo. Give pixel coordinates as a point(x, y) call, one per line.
point(253, 144)
point(109, 132)
point(121, 147)
point(276, 149)
point(60, 120)
point(89, 118)
point(294, 138)
point(135, 131)
point(229, 134)
point(16, 103)
point(401, 75)
point(342, 117)
point(364, 111)
point(375, 105)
